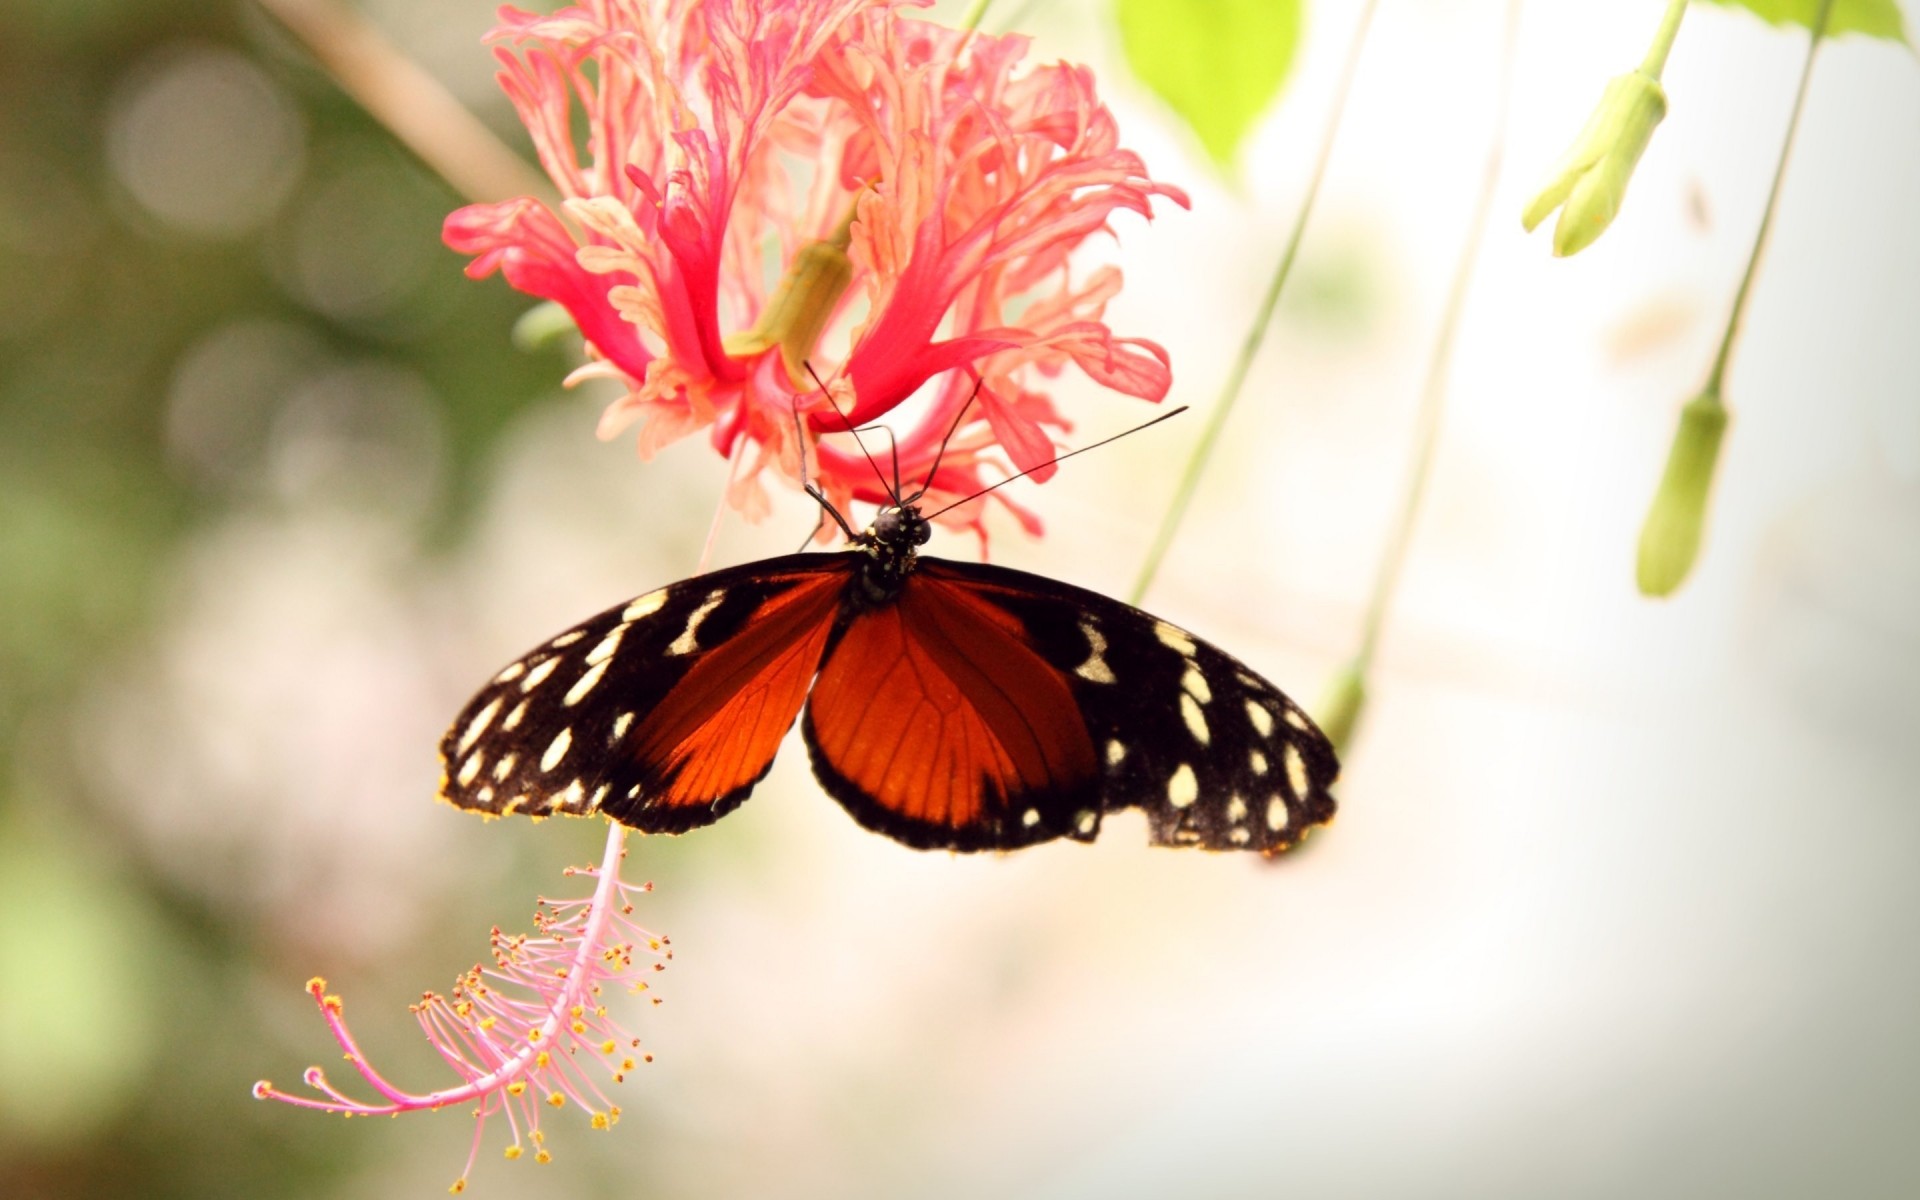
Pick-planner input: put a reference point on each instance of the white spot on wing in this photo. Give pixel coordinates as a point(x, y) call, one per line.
point(1236, 810)
point(620, 724)
point(478, 725)
point(1115, 752)
point(1194, 684)
point(1261, 718)
point(1095, 668)
point(606, 646)
point(585, 683)
point(514, 718)
point(1195, 719)
point(1297, 719)
point(504, 767)
point(1183, 789)
point(1276, 814)
point(566, 639)
point(1296, 769)
point(1030, 818)
point(573, 798)
point(688, 642)
point(1174, 636)
point(539, 674)
point(1084, 821)
point(645, 605)
point(600, 793)
point(556, 750)
point(1258, 762)
point(1239, 836)
point(470, 769)
point(510, 673)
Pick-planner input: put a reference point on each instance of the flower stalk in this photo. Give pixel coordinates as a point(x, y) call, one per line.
point(1256, 332)
point(1345, 699)
point(1671, 535)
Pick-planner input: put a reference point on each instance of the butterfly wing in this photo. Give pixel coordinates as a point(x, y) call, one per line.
point(935, 722)
point(1118, 708)
point(662, 712)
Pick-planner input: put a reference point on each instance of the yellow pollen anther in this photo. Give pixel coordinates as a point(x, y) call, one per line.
point(459, 1185)
point(534, 1036)
point(543, 1060)
point(513, 1152)
point(516, 1087)
point(541, 1156)
point(608, 1046)
point(556, 1099)
point(600, 1121)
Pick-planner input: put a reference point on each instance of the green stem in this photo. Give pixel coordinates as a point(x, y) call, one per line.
point(1734, 318)
point(976, 12)
point(1656, 59)
point(1256, 334)
point(1433, 395)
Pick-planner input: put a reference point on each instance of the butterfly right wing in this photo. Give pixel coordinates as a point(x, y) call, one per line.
point(662, 712)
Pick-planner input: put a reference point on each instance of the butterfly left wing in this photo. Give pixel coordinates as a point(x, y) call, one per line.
point(1215, 755)
point(662, 712)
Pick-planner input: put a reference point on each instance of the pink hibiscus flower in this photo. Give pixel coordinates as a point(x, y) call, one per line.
point(770, 186)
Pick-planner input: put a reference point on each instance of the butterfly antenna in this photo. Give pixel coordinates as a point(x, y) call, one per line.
point(1168, 416)
point(941, 453)
point(847, 421)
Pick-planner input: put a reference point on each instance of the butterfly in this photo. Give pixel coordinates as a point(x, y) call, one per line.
point(948, 705)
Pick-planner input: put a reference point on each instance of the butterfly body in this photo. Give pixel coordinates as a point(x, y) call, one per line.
point(948, 705)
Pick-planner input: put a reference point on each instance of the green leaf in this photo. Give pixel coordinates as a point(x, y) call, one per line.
point(1218, 63)
point(1875, 18)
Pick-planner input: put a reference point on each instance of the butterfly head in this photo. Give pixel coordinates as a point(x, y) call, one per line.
point(898, 528)
point(890, 543)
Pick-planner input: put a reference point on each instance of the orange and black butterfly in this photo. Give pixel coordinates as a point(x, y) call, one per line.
point(949, 705)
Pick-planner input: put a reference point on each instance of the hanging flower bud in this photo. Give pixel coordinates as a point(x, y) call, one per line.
point(1340, 706)
point(1591, 180)
point(1670, 539)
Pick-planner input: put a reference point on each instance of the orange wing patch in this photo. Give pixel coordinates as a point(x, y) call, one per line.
point(933, 721)
point(716, 732)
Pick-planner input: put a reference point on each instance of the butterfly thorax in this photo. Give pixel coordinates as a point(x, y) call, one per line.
point(890, 546)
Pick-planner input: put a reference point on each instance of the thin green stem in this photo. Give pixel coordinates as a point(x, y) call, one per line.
point(1734, 318)
point(1433, 396)
point(976, 12)
point(1656, 59)
point(1256, 334)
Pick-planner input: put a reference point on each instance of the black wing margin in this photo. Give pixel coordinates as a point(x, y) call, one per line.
point(1215, 755)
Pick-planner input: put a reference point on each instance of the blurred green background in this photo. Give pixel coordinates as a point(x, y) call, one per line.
point(1623, 898)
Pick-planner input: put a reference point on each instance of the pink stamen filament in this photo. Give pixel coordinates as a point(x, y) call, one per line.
point(522, 962)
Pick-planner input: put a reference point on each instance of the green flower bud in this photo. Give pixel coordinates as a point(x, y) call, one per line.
point(1340, 705)
point(1670, 540)
point(802, 304)
point(1591, 179)
point(541, 326)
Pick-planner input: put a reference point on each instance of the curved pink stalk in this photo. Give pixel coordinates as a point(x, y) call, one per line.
point(513, 1031)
